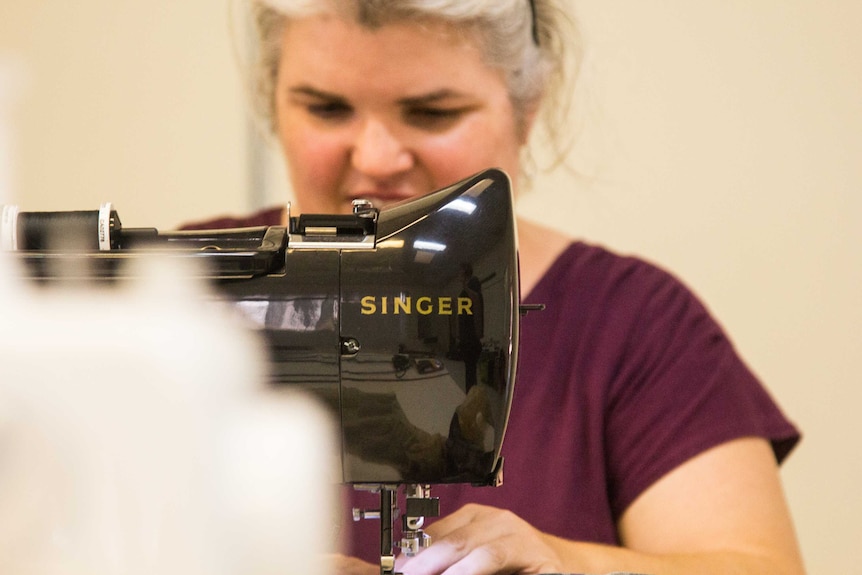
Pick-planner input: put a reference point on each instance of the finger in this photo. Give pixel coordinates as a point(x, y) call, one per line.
point(487, 559)
point(480, 540)
point(464, 516)
point(475, 525)
point(453, 546)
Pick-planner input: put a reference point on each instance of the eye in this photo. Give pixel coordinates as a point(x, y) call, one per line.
point(433, 118)
point(329, 110)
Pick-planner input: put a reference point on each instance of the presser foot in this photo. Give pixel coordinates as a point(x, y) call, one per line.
point(418, 505)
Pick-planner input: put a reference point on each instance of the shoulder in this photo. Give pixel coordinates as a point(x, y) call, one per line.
point(642, 313)
point(548, 256)
point(618, 311)
point(586, 275)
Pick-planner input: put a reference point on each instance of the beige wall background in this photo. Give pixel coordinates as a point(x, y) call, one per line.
point(721, 139)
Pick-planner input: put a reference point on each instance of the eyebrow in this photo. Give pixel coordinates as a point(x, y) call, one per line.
point(424, 99)
point(315, 93)
point(431, 97)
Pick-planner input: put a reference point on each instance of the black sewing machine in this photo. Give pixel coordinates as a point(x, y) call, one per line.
point(404, 320)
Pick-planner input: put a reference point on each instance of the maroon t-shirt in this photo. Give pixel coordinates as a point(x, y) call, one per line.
point(621, 379)
point(266, 217)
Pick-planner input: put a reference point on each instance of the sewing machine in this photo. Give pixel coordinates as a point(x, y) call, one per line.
point(403, 320)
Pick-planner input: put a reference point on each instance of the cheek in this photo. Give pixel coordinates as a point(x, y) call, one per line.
point(307, 151)
point(473, 148)
point(315, 164)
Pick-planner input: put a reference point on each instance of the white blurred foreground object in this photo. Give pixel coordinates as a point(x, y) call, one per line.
point(137, 437)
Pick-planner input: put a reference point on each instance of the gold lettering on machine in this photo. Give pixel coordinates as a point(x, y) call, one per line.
point(425, 305)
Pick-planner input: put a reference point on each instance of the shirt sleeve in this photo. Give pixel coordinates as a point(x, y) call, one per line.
point(681, 388)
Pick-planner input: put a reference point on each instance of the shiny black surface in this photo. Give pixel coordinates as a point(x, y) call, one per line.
point(407, 413)
point(417, 367)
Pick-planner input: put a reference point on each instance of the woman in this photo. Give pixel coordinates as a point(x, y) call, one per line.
point(638, 439)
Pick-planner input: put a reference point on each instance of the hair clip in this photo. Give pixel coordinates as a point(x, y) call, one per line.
point(534, 21)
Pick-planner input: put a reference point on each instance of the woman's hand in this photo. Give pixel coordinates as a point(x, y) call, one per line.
point(480, 540)
point(720, 512)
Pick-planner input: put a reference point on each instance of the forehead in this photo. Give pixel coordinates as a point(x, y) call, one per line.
point(398, 58)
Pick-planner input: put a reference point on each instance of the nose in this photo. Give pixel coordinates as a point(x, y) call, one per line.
point(378, 152)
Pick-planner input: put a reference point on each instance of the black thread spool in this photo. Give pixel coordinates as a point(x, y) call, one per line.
point(68, 231)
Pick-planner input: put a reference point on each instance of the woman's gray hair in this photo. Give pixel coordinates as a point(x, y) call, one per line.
point(531, 54)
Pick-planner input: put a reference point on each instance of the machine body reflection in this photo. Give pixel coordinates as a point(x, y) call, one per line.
point(404, 321)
